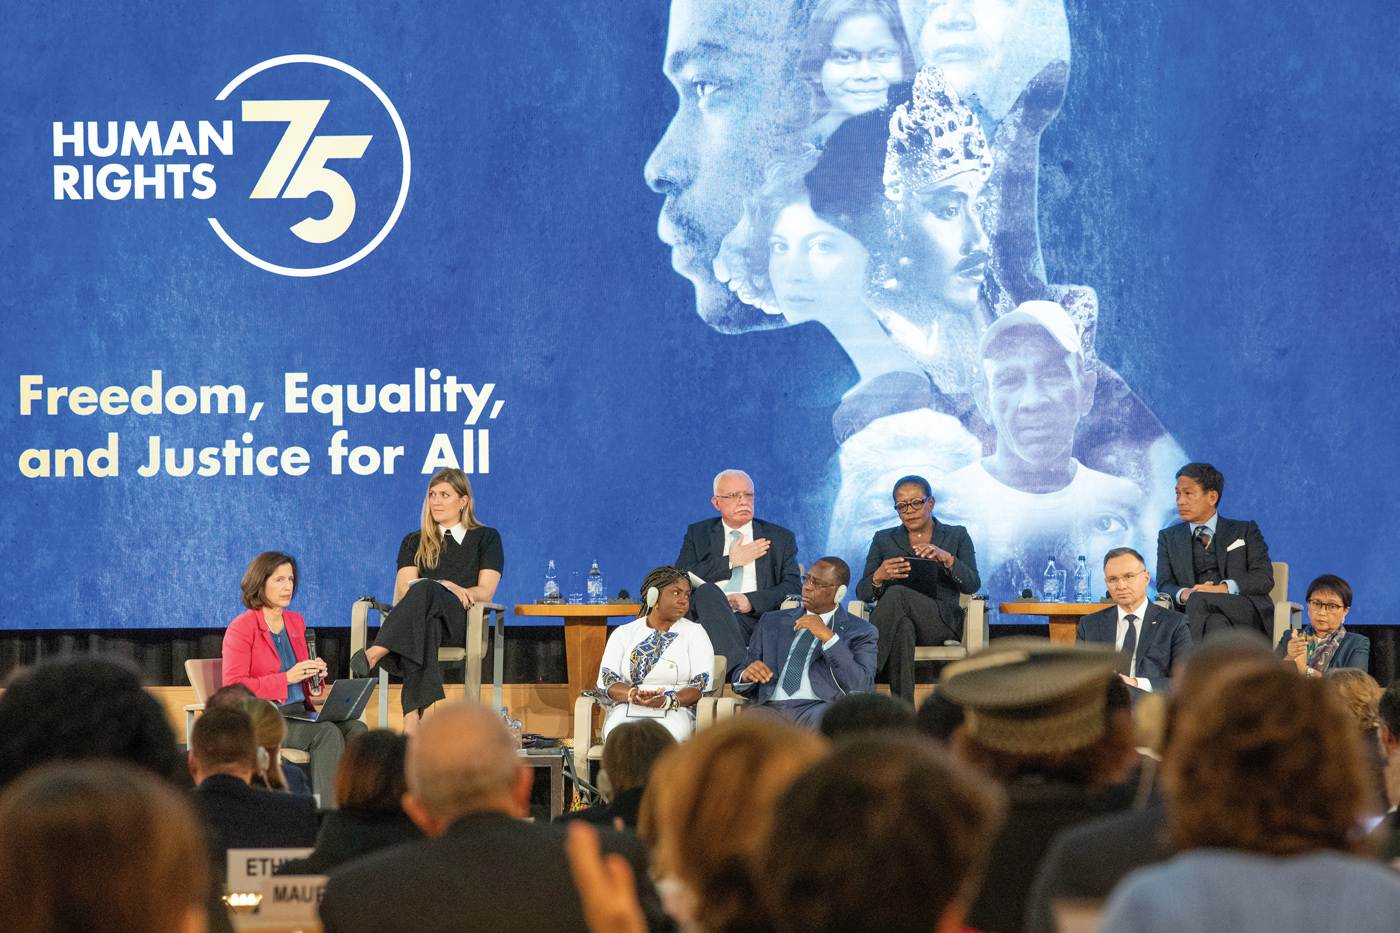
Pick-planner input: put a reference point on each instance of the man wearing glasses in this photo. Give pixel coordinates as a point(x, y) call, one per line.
point(1152, 639)
point(751, 563)
point(921, 609)
point(802, 660)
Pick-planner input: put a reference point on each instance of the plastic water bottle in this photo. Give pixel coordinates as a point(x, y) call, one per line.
point(1051, 591)
point(1081, 582)
point(596, 596)
point(513, 725)
point(551, 583)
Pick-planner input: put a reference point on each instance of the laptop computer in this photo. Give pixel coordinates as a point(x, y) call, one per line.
point(347, 700)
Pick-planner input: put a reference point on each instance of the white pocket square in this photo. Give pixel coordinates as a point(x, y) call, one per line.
point(1239, 542)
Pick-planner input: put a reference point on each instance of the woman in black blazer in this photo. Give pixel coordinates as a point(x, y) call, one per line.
point(1326, 645)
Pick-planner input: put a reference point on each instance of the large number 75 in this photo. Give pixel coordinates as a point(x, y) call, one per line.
point(301, 117)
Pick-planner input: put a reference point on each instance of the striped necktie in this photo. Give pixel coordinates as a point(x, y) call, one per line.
point(796, 663)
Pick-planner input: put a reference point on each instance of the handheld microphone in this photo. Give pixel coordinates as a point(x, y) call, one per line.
point(318, 683)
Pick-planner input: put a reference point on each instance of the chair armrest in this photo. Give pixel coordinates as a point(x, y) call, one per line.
point(975, 624)
point(1285, 615)
point(583, 725)
point(859, 609)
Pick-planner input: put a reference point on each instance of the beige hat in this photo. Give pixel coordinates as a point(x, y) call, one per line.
point(1032, 696)
point(1047, 315)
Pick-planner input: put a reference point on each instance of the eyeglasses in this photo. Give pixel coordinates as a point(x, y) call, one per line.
point(810, 580)
point(1126, 578)
point(913, 505)
point(737, 497)
point(1317, 606)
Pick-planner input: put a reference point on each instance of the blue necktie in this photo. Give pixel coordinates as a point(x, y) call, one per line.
point(796, 663)
point(1203, 535)
point(736, 574)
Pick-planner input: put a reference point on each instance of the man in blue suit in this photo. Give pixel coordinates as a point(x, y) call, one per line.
point(1152, 639)
point(1216, 569)
point(802, 660)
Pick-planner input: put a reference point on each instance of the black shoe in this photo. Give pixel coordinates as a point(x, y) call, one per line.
point(359, 664)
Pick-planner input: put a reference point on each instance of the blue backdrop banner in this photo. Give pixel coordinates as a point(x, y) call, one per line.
point(268, 266)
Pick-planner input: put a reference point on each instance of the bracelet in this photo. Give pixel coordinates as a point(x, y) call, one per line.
point(631, 694)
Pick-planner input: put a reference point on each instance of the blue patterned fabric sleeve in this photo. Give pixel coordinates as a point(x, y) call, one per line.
point(700, 682)
point(609, 678)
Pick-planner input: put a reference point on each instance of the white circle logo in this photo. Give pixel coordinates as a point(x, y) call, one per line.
point(297, 169)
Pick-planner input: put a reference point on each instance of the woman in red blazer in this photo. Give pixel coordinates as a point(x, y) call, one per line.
point(265, 650)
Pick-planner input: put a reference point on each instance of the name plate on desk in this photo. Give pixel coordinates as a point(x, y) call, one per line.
point(248, 867)
point(295, 898)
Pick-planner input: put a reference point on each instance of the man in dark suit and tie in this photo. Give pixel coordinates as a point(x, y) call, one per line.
point(802, 660)
point(1217, 569)
point(1152, 639)
point(752, 565)
point(482, 867)
point(909, 613)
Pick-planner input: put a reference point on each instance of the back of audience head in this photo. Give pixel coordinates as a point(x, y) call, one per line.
point(370, 780)
point(938, 717)
point(223, 742)
point(79, 708)
point(862, 713)
point(906, 854)
point(462, 761)
point(632, 750)
point(229, 695)
point(1360, 694)
point(1221, 655)
point(707, 811)
point(1265, 761)
point(136, 838)
point(271, 731)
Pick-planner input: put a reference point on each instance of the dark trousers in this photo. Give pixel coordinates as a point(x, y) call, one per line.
point(729, 631)
point(904, 618)
point(1214, 612)
point(427, 617)
point(324, 741)
point(806, 713)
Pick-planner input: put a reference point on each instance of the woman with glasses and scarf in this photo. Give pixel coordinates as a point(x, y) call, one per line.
point(1325, 644)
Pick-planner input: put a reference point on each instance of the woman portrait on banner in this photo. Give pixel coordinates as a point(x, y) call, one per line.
point(1325, 644)
point(659, 665)
point(856, 50)
point(265, 650)
point(449, 563)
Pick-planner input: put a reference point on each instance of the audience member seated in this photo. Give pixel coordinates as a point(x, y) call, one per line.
point(750, 564)
point(1053, 723)
point(1326, 645)
point(483, 867)
point(88, 708)
point(369, 816)
point(1361, 695)
point(1273, 850)
point(913, 834)
point(802, 660)
point(100, 846)
point(863, 713)
point(78, 708)
point(270, 729)
point(1151, 639)
point(938, 717)
point(1223, 561)
point(629, 755)
point(224, 756)
point(1388, 711)
point(265, 650)
point(907, 614)
point(706, 816)
point(463, 559)
point(1086, 862)
point(658, 666)
point(229, 695)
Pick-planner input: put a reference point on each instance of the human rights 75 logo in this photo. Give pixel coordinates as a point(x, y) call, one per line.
point(324, 158)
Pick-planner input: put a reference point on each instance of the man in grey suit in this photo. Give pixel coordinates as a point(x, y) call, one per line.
point(750, 564)
point(924, 610)
point(482, 868)
point(1152, 639)
point(1217, 569)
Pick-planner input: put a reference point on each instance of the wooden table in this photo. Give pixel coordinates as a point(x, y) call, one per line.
point(1064, 617)
point(585, 635)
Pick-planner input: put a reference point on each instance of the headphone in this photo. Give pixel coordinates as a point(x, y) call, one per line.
point(264, 761)
point(840, 593)
point(653, 594)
